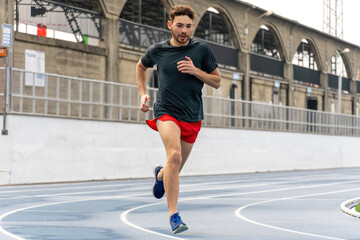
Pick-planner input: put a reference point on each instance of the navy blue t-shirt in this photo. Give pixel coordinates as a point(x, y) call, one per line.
point(179, 93)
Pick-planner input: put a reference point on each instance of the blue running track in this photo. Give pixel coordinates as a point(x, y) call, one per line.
point(294, 205)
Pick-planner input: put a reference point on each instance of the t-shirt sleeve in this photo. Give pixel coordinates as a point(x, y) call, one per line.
point(147, 59)
point(209, 61)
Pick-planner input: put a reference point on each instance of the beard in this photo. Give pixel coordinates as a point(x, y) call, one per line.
point(181, 38)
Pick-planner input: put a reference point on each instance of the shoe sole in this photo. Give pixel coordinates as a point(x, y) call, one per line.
point(180, 229)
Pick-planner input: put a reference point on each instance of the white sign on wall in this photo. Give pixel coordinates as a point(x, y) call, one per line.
point(6, 35)
point(35, 62)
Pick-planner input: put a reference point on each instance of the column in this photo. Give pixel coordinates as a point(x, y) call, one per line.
point(110, 26)
point(244, 60)
point(7, 11)
point(353, 90)
point(110, 35)
point(324, 81)
point(288, 74)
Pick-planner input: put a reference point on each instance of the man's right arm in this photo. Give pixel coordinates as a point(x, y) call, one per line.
point(141, 81)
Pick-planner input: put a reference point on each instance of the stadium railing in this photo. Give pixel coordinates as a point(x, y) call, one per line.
point(71, 97)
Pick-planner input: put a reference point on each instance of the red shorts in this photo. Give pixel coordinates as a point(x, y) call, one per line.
point(189, 130)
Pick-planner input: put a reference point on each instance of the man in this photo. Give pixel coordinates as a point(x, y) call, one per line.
point(184, 65)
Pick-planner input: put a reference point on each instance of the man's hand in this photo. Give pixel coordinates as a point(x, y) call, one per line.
point(212, 79)
point(145, 98)
point(187, 66)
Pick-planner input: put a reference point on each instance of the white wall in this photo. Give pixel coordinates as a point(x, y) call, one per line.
point(4, 156)
point(42, 149)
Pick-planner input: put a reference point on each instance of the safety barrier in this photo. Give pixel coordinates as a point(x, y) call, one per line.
point(71, 97)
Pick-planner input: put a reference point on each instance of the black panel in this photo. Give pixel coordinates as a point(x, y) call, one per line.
point(266, 65)
point(306, 75)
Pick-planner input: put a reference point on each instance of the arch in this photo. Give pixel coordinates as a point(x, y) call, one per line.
point(340, 64)
point(346, 61)
point(306, 64)
point(271, 32)
point(167, 4)
point(317, 56)
point(308, 46)
point(227, 20)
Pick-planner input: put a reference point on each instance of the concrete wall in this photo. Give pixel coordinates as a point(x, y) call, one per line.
point(40, 149)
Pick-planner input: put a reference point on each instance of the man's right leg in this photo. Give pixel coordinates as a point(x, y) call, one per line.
point(170, 135)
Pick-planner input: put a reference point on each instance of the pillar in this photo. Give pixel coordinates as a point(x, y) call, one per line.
point(110, 27)
point(244, 60)
point(324, 81)
point(110, 37)
point(353, 90)
point(7, 11)
point(288, 75)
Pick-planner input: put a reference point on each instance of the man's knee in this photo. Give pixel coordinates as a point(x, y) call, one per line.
point(175, 158)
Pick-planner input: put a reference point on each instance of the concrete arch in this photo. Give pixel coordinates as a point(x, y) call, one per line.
point(167, 4)
point(313, 45)
point(344, 57)
point(112, 9)
point(346, 62)
point(277, 37)
point(229, 21)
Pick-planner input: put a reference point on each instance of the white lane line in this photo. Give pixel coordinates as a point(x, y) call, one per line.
point(274, 190)
point(124, 219)
point(35, 189)
point(214, 196)
point(72, 193)
point(239, 215)
point(54, 187)
point(2, 230)
point(137, 189)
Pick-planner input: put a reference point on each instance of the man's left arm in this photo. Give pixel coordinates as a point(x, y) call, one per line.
point(212, 79)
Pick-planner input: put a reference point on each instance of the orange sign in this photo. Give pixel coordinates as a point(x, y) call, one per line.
point(2, 52)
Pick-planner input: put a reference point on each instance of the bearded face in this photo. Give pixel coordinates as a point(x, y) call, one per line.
point(181, 29)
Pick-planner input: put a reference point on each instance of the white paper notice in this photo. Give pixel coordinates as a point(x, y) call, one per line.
point(35, 62)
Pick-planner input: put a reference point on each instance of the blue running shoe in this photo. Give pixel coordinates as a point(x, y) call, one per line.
point(177, 224)
point(158, 187)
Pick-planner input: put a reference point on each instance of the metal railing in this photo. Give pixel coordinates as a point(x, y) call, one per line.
point(261, 116)
point(72, 97)
point(59, 17)
point(139, 36)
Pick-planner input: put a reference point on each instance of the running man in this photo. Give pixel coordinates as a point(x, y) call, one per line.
point(184, 65)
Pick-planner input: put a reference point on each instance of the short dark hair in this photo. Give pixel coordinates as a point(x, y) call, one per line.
point(181, 10)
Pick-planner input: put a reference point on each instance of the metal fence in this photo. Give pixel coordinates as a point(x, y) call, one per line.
point(62, 96)
point(59, 17)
